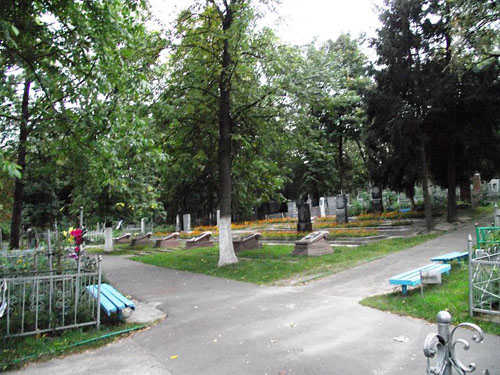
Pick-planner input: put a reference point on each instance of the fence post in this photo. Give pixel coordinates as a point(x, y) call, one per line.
point(497, 216)
point(99, 260)
point(471, 251)
point(442, 346)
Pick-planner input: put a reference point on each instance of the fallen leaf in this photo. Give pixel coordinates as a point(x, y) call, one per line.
point(174, 356)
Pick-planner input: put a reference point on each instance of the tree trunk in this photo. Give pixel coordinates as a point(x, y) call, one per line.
point(226, 250)
point(425, 187)
point(15, 224)
point(452, 183)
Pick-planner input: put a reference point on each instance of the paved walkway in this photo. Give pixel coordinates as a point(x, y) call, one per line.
point(221, 327)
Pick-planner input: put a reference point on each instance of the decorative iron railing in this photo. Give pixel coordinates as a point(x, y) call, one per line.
point(34, 302)
point(441, 346)
point(484, 279)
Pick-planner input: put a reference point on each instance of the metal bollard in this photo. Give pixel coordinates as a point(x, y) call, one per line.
point(442, 346)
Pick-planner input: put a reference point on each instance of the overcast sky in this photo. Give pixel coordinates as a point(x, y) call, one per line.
point(302, 20)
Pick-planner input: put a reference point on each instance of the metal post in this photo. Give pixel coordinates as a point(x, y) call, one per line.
point(444, 320)
point(471, 252)
point(497, 216)
point(99, 260)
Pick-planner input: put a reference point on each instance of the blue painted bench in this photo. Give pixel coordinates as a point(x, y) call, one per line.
point(412, 278)
point(111, 299)
point(446, 258)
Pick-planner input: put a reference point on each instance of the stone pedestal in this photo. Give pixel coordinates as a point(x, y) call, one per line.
point(203, 240)
point(172, 240)
point(108, 239)
point(249, 242)
point(314, 244)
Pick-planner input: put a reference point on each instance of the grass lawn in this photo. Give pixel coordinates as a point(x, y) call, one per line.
point(15, 352)
point(274, 264)
point(452, 295)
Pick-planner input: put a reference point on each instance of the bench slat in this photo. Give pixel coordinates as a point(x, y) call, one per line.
point(111, 299)
point(115, 295)
point(450, 256)
point(412, 277)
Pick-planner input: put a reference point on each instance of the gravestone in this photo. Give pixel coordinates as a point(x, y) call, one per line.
point(186, 222)
point(322, 207)
point(108, 239)
point(218, 217)
point(314, 244)
point(203, 240)
point(122, 239)
point(304, 223)
point(292, 209)
point(341, 212)
point(332, 205)
point(143, 226)
point(172, 240)
point(377, 205)
point(249, 242)
point(142, 240)
point(178, 223)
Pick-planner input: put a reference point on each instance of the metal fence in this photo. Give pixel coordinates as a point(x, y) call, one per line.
point(487, 236)
point(484, 279)
point(94, 235)
point(47, 299)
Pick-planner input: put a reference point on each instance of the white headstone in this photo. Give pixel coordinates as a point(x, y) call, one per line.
point(178, 223)
point(108, 239)
point(143, 226)
point(322, 207)
point(332, 205)
point(218, 217)
point(186, 220)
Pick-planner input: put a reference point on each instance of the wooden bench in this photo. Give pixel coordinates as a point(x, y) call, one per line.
point(446, 258)
point(412, 278)
point(111, 300)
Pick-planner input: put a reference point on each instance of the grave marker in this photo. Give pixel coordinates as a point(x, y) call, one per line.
point(314, 244)
point(341, 212)
point(304, 223)
point(186, 222)
point(249, 242)
point(203, 240)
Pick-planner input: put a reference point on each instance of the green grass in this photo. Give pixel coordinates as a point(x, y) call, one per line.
point(452, 295)
point(275, 264)
point(16, 352)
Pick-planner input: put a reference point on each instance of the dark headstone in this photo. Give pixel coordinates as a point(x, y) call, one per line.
point(341, 212)
point(304, 223)
point(377, 199)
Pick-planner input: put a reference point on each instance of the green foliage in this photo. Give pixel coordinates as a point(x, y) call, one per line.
point(452, 295)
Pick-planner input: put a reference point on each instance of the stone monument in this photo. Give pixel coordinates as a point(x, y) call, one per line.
point(304, 223)
point(341, 212)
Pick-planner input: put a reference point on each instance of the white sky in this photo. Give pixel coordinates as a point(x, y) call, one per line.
point(302, 20)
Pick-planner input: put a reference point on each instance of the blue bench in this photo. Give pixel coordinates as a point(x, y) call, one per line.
point(446, 258)
point(412, 278)
point(111, 299)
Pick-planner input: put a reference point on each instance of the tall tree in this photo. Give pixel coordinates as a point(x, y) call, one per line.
point(70, 58)
point(219, 100)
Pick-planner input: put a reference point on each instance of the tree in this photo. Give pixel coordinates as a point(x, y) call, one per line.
point(72, 59)
point(215, 111)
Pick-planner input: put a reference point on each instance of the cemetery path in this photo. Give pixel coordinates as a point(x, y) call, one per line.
point(219, 327)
